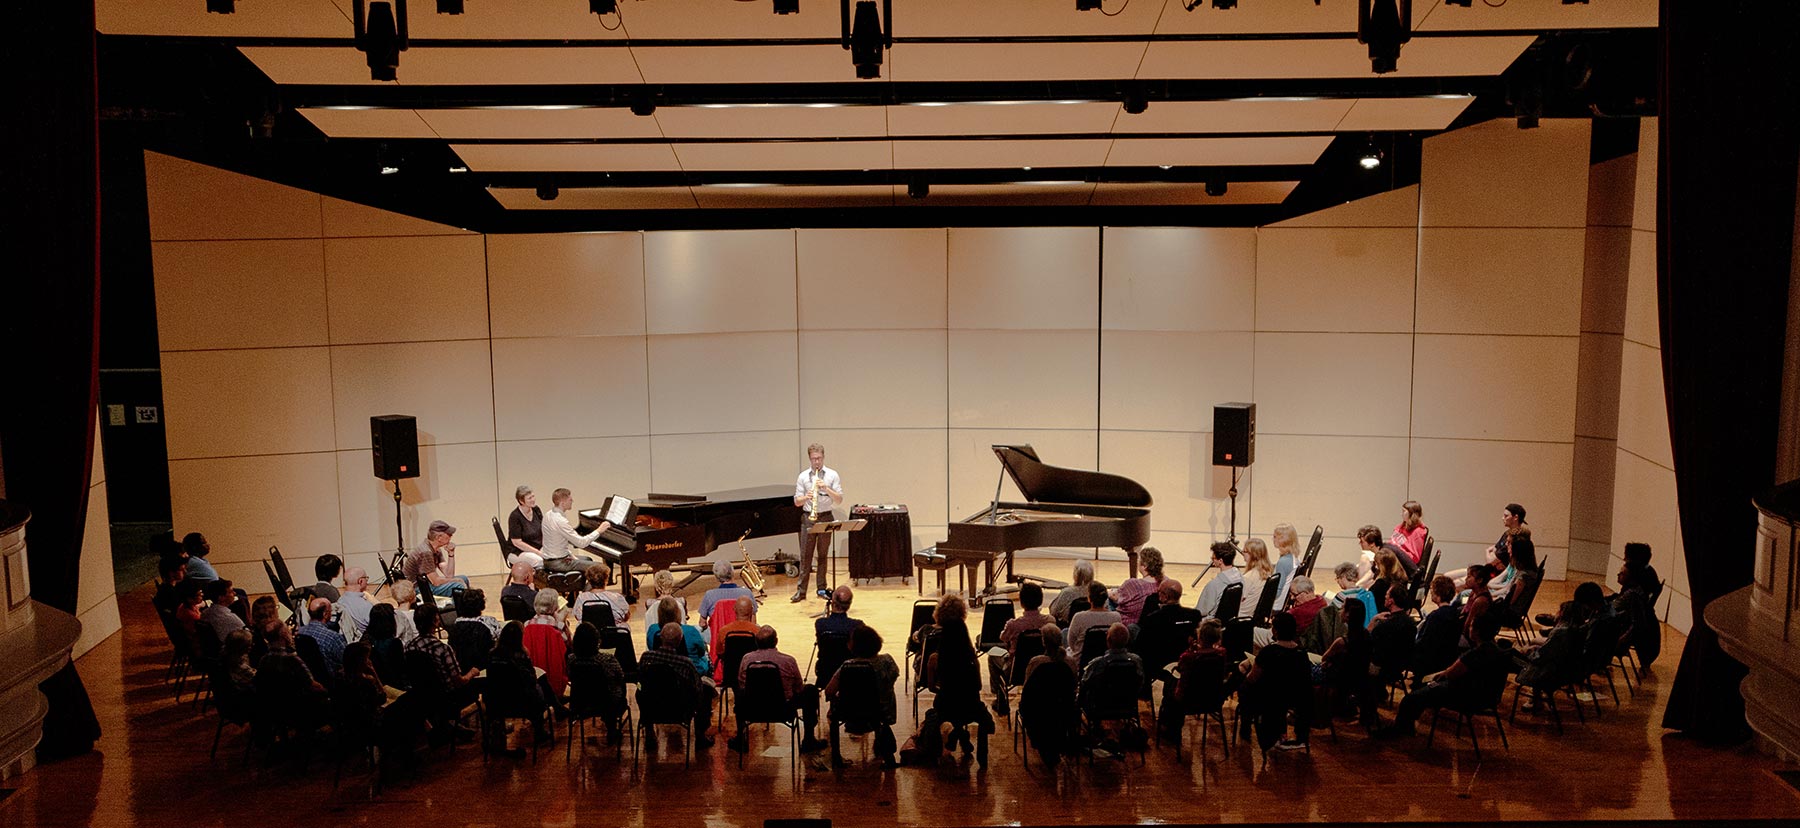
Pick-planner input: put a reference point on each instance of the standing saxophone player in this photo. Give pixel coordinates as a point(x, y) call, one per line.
point(817, 492)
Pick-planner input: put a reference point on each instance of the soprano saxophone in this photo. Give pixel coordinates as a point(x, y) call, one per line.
point(812, 509)
point(749, 573)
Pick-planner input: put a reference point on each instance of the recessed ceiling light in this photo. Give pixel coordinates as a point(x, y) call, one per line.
point(459, 169)
point(1165, 166)
point(387, 169)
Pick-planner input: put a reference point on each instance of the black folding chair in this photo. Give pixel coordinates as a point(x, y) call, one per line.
point(761, 699)
point(994, 615)
point(1311, 556)
point(619, 640)
point(1229, 602)
point(1093, 643)
point(514, 608)
point(1265, 602)
point(1117, 702)
point(830, 649)
point(591, 697)
point(857, 707)
point(735, 646)
point(281, 569)
point(662, 701)
point(922, 612)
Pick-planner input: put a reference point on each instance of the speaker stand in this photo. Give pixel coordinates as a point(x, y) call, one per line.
point(399, 562)
point(1232, 537)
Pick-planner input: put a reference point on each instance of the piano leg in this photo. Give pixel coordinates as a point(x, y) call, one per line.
point(1131, 556)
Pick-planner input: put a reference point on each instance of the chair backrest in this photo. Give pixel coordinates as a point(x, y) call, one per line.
point(618, 639)
point(1526, 589)
point(921, 616)
point(422, 676)
point(308, 650)
point(737, 645)
point(761, 697)
point(507, 688)
point(1172, 645)
point(994, 615)
point(206, 644)
point(473, 643)
point(1265, 603)
point(500, 537)
point(929, 639)
point(834, 648)
point(662, 697)
point(514, 608)
point(1203, 686)
point(603, 616)
point(1029, 645)
point(592, 690)
point(1311, 556)
point(1093, 643)
point(859, 694)
point(1116, 696)
point(275, 587)
point(1079, 605)
point(1229, 602)
point(549, 652)
point(1429, 572)
point(287, 580)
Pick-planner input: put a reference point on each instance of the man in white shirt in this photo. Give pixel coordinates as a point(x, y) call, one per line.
point(817, 491)
point(561, 539)
point(1224, 559)
point(355, 604)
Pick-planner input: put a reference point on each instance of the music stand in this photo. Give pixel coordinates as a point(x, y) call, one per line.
point(832, 528)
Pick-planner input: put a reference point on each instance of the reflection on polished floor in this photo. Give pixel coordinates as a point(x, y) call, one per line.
point(151, 768)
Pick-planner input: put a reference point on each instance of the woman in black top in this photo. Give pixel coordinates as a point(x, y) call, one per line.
point(525, 525)
point(384, 640)
point(1279, 681)
point(958, 679)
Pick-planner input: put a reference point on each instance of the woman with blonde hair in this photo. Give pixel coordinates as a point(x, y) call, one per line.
point(1287, 558)
point(1257, 569)
point(1059, 607)
point(662, 585)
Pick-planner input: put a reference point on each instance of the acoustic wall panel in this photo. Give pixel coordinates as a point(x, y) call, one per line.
point(1024, 278)
point(1641, 320)
point(1606, 271)
point(699, 463)
point(457, 485)
point(263, 293)
point(576, 386)
point(447, 385)
point(195, 201)
point(406, 289)
point(1500, 280)
point(1338, 383)
point(590, 467)
point(349, 219)
point(566, 284)
point(1339, 483)
point(96, 599)
point(1023, 379)
point(887, 465)
point(1643, 414)
point(873, 379)
point(1179, 279)
point(974, 470)
point(261, 401)
point(1335, 279)
point(871, 279)
point(1495, 387)
point(719, 281)
point(1394, 208)
point(1497, 175)
point(724, 382)
point(247, 504)
point(1170, 380)
point(1464, 485)
point(1191, 493)
point(1597, 400)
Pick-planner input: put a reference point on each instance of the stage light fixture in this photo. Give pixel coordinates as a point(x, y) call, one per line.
point(221, 6)
point(787, 6)
point(643, 104)
point(450, 6)
point(380, 34)
point(1383, 25)
point(918, 189)
point(1215, 187)
point(548, 192)
point(1224, 4)
point(1087, 5)
point(1136, 103)
point(867, 36)
point(1371, 156)
point(603, 7)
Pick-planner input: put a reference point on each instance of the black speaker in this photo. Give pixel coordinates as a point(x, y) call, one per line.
point(394, 440)
point(1234, 434)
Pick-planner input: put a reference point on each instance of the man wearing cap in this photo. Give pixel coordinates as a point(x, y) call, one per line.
point(435, 561)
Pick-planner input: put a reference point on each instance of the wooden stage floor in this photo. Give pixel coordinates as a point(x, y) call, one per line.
point(150, 768)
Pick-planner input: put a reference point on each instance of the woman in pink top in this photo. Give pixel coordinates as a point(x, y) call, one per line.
point(1411, 533)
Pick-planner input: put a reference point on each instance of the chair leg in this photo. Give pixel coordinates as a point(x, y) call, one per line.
point(1502, 728)
point(1473, 739)
point(216, 734)
point(1613, 686)
point(1432, 733)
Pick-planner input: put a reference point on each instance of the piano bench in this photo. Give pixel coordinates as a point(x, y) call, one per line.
point(929, 559)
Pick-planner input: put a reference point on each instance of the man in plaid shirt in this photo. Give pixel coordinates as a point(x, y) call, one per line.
point(668, 677)
point(456, 688)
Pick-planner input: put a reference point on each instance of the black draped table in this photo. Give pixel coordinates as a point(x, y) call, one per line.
point(883, 549)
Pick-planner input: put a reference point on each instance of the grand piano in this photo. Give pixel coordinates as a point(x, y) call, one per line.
point(670, 530)
point(1066, 507)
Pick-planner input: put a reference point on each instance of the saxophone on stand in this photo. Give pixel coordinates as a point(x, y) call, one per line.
point(749, 573)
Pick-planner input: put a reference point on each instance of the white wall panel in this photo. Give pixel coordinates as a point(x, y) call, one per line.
point(698, 463)
point(592, 468)
point(239, 294)
point(1170, 380)
point(974, 469)
point(1605, 272)
point(1643, 413)
point(348, 219)
point(1591, 502)
point(724, 382)
point(1497, 175)
point(1339, 383)
point(1645, 510)
point(1190, 492)
point(1464, 485)
point(716, 281)
point(1597, 400)
point(1500, 280)
point(1024, 278)
point(566, 284)
point(1334, 279)
point(581, 386)
point(1340, 483)
point(447, 385)
point(96, 601)
point(1643, 214)
point(406, 289)
point(456, 485)
point(195, 201)
point(873, 379)
point(880, 465)
point(1179, 278)
point(1023, 379)
point(1495, 387)
point(1394, 208)
point(872, 279)
point(1642, 323)
point(247, 504)
point(262, 401)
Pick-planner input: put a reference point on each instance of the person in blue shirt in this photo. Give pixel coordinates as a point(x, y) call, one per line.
point(1348, 591)
point(198, 568)
point(694, 641)
point(727, 590)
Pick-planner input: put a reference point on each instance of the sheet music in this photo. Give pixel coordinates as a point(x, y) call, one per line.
point(617, 510)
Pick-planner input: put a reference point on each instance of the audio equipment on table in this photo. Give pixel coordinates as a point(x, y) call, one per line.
point(749, 573)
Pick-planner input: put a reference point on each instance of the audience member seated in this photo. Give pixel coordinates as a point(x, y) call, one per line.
point(865, 648)
point(284, 685)
point(219, 616)
point(1224, 559)
point(1095, 689)
point(599, 577)
point(1399, 570)
point(1059, 607)
point(263, 611)
point(1206, 674)
point(169, 572)
point(1054, 652)
point(800, 695)
point(1287, 557)
point(330, 641)
point(235, 664)
point(743, 611)
point(512, 665)
point(1391, 640)
point(1410, 533)
point(1099, 616)
point(727, 590)
point(1477, 675)
point(406, 598)
point(326, 569)
point(452, 682)
point(547, 610)
point(1254, 566)
point(1348, 591)
point(586, 663)
point(1129, 598)
point(1304, 603)
point(389, 652)
point(197, 549)
point(662, 585)
point(435, 561)
point(1556, 661)
point(1389, 574)
point(1047, 709)
point(1277, 682)
point(1164, 635)
point(192, 606)
point(1635, 605)
point(354, 604)
point(1344, 670)
point(1477, 601)
point(1638, 555)
point(519, 583)
point(667, 672)
point(669, 613)
point(1031, 597)
point(957, 678)
point(838, 619)
point(472, 635)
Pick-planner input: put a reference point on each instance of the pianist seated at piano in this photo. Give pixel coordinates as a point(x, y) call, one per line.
point(1225, 561)
point(560, 538)
point(525, 529)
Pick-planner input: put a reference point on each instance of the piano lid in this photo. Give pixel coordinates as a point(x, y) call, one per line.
point(1044, 483)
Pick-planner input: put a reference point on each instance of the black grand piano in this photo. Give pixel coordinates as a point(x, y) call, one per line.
point(1067, 507)
point(669, 530)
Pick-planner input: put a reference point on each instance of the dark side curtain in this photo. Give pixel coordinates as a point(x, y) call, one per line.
point(1725, 221)
point(49, 312)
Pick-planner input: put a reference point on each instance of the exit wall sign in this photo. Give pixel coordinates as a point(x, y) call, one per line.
point(146, 414)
